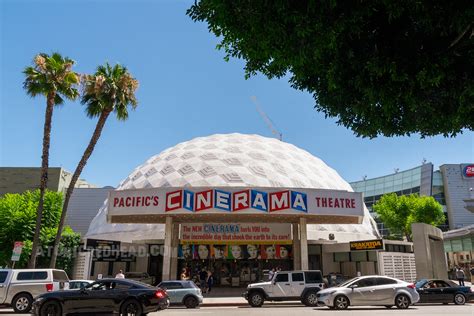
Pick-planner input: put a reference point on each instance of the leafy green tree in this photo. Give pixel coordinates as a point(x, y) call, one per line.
point(17, 223)
point(379, 67)
point(53, 78)
point(109, 90)
point(399, 212)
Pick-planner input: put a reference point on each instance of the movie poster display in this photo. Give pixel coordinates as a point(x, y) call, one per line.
point(234, 252)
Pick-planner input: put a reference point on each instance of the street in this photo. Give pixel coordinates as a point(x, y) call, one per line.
point(285, 309)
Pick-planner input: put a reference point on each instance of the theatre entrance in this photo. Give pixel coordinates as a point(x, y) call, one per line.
point(233, 273)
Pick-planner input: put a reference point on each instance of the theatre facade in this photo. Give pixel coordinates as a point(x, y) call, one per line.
point(237, 205)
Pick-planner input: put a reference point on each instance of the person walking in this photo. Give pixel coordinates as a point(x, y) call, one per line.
point(271, 273)
point(184, 275)
point(203, 279)
point(210, 281)
point(460, 276)
point(120, 275)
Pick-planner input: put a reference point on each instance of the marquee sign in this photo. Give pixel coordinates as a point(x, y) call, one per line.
point(376, 244)
point(235, 233)
point(234, 200)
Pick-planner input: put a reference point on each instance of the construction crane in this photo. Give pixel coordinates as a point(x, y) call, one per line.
point(267, 120)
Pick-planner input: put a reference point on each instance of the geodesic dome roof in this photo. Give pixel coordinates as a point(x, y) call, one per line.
point(232, 160)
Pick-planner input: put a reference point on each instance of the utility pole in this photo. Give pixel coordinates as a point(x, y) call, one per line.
point(267, 120)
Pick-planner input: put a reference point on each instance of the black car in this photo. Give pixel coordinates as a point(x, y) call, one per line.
point(443, 291)
point(122, 296)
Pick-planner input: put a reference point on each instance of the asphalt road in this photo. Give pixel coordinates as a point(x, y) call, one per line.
point(295, 310)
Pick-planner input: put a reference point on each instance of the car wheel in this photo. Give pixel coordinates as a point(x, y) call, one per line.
point(50, 308)
point(191, 302)
point(402, 301)
point(256, 299)
point(131, 308)
point(22, 303)
point(310, 298)
point(459, 299)
point(341, 302)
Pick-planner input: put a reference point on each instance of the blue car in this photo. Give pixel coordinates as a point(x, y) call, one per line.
point(185, 293)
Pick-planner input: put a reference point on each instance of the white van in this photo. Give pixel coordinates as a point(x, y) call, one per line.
point(18, 287)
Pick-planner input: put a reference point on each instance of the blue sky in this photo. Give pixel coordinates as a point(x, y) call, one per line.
point(186, 90)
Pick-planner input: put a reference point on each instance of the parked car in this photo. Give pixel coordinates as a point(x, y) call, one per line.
point(79, 284)
point(443, 291)
point(126, 297)
point(370, 290)
point(286, 286)
point(141, 277)
point(185, 293)
point(18, 287)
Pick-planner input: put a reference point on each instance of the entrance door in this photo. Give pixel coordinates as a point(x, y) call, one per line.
point(155, 266)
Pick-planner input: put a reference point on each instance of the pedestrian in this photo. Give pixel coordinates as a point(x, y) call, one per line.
point(184, 275)
point(202, 280)
point(120, 275)
point(460, 276)
point(210, 281)
point(271, 273)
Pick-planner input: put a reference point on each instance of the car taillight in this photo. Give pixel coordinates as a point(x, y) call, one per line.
point(49, 287)
point(411, 286)
point(160, 294)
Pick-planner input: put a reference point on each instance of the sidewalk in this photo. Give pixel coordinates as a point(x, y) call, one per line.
point(240, 301)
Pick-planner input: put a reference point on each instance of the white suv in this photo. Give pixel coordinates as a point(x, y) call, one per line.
point(18, 287)
point(287, 286)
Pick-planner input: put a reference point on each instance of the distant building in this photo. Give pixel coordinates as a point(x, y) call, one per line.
point(451, 186)
point(21, 179)
point(86, 199)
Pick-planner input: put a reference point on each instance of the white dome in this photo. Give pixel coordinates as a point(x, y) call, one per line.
point(232, 160)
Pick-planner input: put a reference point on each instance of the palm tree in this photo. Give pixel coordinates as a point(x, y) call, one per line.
point(110, 89)
point(52, 77)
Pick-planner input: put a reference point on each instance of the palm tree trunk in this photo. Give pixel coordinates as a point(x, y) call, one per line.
point(44, 175)
point(82, 163)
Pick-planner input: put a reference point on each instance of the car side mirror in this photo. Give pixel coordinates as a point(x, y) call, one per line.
point(353, 286)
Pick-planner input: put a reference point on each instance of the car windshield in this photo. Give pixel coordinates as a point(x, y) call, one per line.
point(420, 283)
point(347, 282)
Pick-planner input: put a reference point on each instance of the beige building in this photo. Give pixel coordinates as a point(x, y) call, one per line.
point(21, 179)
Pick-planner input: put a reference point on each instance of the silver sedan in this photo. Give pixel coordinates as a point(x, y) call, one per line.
point(372, 290)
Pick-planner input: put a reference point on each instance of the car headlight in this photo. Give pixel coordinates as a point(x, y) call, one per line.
point(327, 293)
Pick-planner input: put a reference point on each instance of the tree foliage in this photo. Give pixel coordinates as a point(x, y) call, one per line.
point(108, 90)
point(52, 77)
point(380, 67)
point(18, 221)
point(399, 212)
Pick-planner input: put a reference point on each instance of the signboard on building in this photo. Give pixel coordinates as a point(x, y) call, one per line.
point(235, 200)
point(376, 244)
point(17, 248)
point(468, 171)
point(236, 233)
